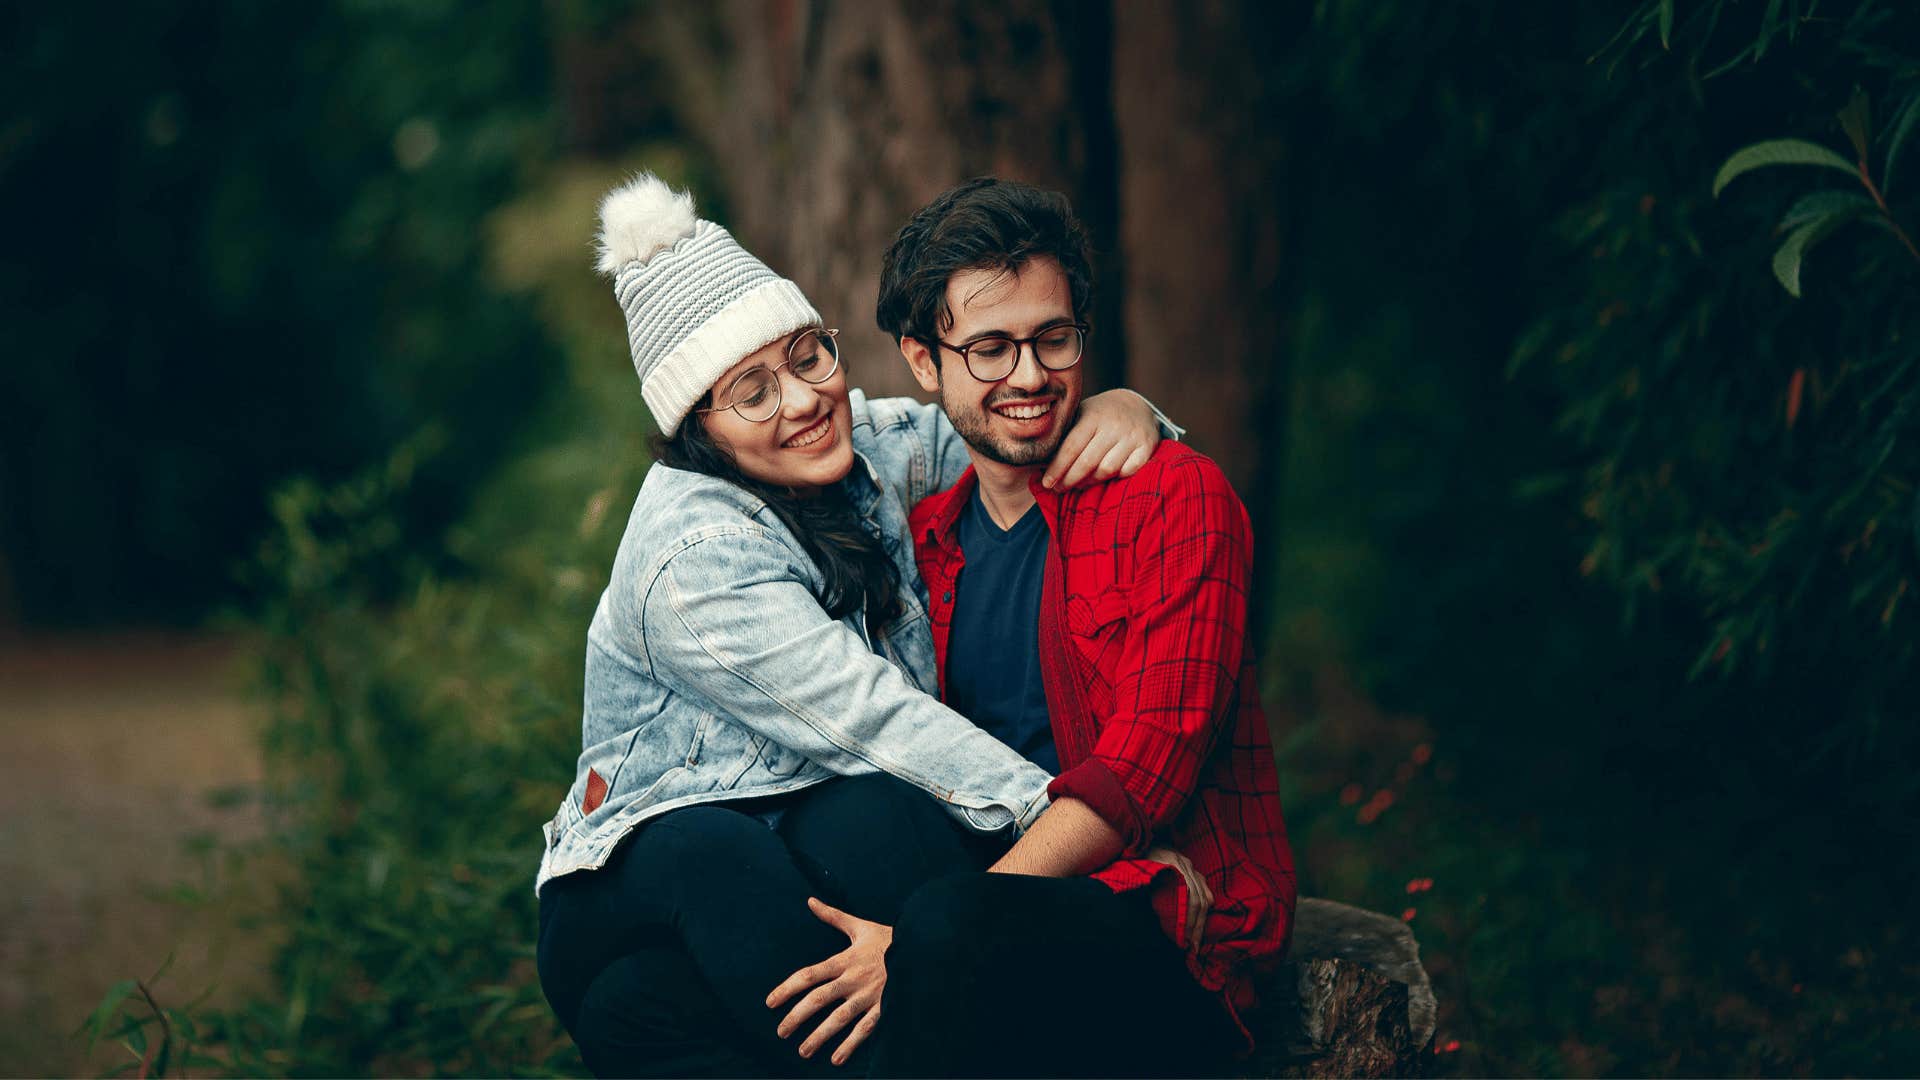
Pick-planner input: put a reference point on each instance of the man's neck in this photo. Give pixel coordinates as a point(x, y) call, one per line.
point(1003, 489)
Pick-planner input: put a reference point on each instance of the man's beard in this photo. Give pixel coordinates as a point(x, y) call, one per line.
point(974, 425)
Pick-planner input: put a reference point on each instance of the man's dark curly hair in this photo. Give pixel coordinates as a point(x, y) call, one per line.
point(984, 224)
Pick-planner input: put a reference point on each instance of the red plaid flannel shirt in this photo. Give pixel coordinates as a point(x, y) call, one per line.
point(1155, 704)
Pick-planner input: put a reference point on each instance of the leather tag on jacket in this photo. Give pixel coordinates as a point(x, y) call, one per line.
point(596, 793)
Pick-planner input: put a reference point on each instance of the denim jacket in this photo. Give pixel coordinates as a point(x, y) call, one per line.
point(714, 674)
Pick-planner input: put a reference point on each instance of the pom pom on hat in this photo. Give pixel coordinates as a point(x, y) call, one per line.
point(696, 302)
point(641, 219)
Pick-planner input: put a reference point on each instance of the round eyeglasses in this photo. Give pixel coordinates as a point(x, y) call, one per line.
point(812, 358)
point(994, 356)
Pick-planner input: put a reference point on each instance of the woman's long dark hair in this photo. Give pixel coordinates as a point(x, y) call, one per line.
point(853, 561)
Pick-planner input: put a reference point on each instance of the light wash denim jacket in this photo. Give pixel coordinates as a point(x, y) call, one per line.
point(713, 673)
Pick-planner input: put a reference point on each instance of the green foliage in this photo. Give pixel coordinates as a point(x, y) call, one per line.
point(157, 1039)
point(1778, 152)
point(415, 746)
point(1747, 461)
point(1579, 499)
point(1814, 216)
point(248, 253)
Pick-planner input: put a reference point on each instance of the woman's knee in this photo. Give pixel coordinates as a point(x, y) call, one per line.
point(632, 1012)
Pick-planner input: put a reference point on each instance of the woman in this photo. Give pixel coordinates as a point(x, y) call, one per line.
point(760, 636)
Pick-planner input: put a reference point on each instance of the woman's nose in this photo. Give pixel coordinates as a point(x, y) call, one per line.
point(797, 396)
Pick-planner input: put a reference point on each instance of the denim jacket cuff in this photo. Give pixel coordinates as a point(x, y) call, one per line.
point(1032, 812)
point(1169, 430)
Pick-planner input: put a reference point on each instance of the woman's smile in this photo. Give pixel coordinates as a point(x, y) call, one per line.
point(813, 435)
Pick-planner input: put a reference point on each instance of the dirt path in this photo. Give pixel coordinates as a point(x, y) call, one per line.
point(113, 755)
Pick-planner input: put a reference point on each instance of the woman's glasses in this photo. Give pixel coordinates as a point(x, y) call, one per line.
point(755, 394)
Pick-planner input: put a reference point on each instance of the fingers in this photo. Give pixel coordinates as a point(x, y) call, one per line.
point(1199, 901)
point(1199, 896)
point(857, 1036)
point(819, 999)
point(836, 1021)
point(1071, 449)
point(830, 915)
point(1083, 463)
point(1111, 462)
point(811, 975)
point(1135, 460)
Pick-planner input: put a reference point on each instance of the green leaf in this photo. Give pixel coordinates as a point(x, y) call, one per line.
point(96, 1024)
point(1778, 152)
point(162, 1058)
point(1901, 129)
point(1821, 203)
point(1769, 25)
point(1666, 24)
point(1786, 261)
point(1854, 121)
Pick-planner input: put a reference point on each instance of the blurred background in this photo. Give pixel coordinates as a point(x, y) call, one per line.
point(1585, 497)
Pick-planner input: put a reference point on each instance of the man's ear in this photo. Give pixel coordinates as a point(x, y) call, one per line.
point(920, 360)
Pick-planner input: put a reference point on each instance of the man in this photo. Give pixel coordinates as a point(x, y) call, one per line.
point(1103, 634)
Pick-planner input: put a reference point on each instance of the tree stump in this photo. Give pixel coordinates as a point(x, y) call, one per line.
point(1351, 1000)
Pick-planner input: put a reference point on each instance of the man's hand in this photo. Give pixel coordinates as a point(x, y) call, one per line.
point(1199, 897)
point(854, 977)
point(1115, 435)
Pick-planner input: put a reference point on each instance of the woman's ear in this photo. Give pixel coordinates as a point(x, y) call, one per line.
point(926, 370)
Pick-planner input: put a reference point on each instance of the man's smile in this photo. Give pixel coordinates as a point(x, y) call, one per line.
point(1025, 410)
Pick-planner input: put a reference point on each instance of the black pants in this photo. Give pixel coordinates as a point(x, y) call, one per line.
point(659, 963)
point(1003, 975)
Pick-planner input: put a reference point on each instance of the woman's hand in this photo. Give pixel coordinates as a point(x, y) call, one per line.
point(854, 977)
point(1199, 897)
point(1115, 435)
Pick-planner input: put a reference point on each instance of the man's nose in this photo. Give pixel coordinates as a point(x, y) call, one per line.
point(1027, 374)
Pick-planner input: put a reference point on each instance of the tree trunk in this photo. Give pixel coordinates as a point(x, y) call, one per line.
point(1351, 1000)
point(1201, 197)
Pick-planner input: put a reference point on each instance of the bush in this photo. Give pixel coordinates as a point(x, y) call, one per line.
point(424, 723)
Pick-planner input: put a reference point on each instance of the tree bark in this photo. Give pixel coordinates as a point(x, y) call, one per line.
point(1201, 197)
point(1351, 1000)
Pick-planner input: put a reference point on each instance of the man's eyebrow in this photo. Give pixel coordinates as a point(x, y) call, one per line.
point(1056, 321)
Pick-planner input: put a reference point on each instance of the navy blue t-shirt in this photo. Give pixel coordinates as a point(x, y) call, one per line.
point(993, 643)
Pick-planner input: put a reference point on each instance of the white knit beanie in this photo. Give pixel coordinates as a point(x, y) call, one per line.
point(696, 302)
